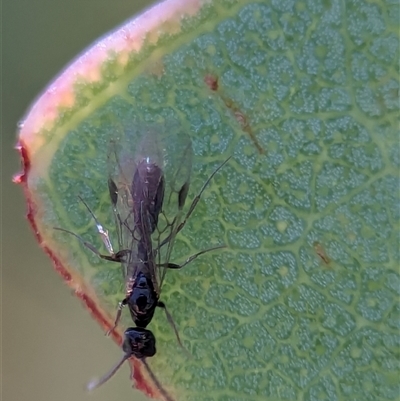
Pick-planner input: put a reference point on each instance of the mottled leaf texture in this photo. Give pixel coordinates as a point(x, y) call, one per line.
point(303, 304)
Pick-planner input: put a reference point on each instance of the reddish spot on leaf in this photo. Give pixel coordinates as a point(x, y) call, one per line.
point(320, 251)
point(211, 81)
point(244, 124)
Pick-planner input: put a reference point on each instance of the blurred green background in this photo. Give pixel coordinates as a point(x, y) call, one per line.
point(50, 345)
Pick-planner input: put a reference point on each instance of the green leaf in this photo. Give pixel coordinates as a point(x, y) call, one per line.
point(304, 302)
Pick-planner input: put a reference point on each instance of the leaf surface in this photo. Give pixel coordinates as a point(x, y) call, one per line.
point(304, 302)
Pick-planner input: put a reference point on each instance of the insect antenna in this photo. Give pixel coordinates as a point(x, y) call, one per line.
point(156, 381)
point(98, 382)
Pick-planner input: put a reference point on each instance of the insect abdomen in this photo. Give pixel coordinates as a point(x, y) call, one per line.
point(148, 188)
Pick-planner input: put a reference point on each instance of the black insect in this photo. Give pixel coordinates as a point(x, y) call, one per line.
point(159, 187)
point(148, 193)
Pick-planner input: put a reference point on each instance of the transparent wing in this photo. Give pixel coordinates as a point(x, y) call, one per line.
point(177, 156)
point(122, 206)
point(149, 174)
point(130, 153)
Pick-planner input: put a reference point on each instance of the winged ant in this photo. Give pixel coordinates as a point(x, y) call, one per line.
point(157, 190)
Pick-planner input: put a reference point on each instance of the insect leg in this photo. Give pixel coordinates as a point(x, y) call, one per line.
point(197, 198)
point(118, 317)
point(191, 258)
point(112, 257)
point(162, 305)
point(103, 232)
